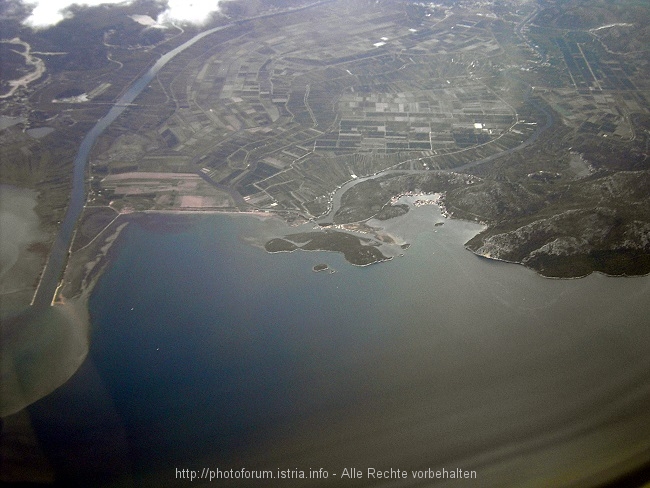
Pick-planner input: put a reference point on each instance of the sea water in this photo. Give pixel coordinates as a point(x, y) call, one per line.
point(208, 350)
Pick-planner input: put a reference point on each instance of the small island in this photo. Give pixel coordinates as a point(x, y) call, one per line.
point(356, 250)
point(320, 267)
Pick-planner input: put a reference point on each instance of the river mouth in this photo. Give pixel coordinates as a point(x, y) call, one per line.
point(40, 347)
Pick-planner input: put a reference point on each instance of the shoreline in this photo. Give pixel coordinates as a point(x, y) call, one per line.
point(396, 238)
point(388, 258)
point(85, 267)
point(63, 326)
point(98, 253)
point(539, 273)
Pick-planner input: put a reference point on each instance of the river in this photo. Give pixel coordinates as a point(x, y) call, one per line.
point(42, 346)
point(59, 251)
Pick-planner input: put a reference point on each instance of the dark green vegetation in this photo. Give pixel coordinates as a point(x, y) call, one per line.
point(529, 116)
point(392, 211)
point(358, 251)
point(320, 267)
point(280, 245)
point(371, 198)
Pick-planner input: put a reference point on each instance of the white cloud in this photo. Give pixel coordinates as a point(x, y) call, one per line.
point(46, 13)
point(193, 11)
point(51, 12)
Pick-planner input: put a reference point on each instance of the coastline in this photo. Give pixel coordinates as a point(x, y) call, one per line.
point(552, 277)
point(86, 266)
point(108, 244)
point(388, 258)
point(58, 335)
point(511, 291)
point(378, 231)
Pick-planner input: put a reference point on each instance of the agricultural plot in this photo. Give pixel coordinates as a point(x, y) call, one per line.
point(282, 111)
point(280, 108)
point(603, 87)
point(279, 112)
point(440, 117)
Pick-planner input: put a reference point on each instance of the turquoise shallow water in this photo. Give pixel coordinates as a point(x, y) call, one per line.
point(210, 350)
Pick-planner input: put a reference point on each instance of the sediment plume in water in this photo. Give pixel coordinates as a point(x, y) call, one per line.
point(40, 349)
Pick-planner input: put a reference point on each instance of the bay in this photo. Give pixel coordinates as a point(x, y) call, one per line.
point(211, 352)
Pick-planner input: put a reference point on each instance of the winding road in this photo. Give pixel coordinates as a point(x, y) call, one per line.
point(335, 204)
